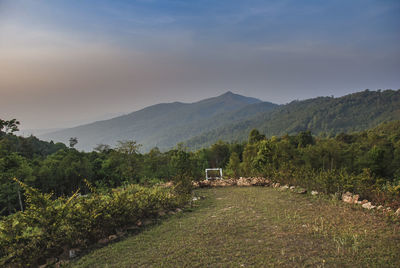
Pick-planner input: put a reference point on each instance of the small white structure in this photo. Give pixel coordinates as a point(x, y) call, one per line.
point(214, 169)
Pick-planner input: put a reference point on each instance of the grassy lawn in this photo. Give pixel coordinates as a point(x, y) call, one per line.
point(258, 226)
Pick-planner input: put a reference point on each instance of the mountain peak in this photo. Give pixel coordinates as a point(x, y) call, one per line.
point(229, 95)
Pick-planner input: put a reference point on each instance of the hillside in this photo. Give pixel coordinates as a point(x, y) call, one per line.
point(162, 125)
point(353, 112)
point(257, 227)
point(231, 117)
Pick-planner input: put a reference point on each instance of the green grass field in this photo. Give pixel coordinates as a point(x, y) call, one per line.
point(258, 226)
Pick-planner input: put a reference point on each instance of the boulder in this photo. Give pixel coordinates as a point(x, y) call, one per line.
point(231, 182)
point(243, 182)
point(284, 188)
point(161, 213)
point(205, 183)
point(301, 191)
point(103, 241)
point(112, 237)
point(397, 213)
point(73, 252)
point(259, 181)
point(347, 197)
point(147, 222)
point(368, 205)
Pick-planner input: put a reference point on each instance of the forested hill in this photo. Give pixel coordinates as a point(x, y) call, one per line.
point(354, 112)
point(164, 125)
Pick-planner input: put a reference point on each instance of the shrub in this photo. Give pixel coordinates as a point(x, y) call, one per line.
point(49, 226)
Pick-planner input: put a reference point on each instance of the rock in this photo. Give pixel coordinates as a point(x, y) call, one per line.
point(147, 222)
point(171, 212)
point(359, 202)
point(368, 205)
point(301, 191)
point(139, 223)
point(103, 241)
point(121, 233)
point(243, 182)
point(364, 201)
point(291, 188)
point(314, 193)
point(397, 213)
point(284, 188)
point(260, 181)
point(112, 237)
point(178, 210)
point(277, 185)
point(205, 183)
point(162, 213)
point(379, 207)
point(350, 198)
point(388, 209)
point(73, 252)
point(347, 197)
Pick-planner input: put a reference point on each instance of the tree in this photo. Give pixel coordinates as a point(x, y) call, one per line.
point(255, 136)
point(128, 151)
point(219, 154)
point(102, 148)
point(73, 141)
point(233, 167)
point(9, 127)
point(305, 138)
point(13, 166)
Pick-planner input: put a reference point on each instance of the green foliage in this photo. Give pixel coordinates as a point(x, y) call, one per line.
point(255, 136)
point(233, 167)
point(365, 163)
point(7, 127)
point(322, 116)
point(49, 226)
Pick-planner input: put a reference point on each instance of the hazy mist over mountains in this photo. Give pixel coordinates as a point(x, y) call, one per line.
point(230, 117)
point(162, 125)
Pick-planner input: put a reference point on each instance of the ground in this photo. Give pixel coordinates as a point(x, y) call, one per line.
point(258, 227)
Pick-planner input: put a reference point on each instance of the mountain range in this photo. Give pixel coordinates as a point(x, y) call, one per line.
point(230, 117)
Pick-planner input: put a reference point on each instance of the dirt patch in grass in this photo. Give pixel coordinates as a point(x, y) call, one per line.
point(258, 226)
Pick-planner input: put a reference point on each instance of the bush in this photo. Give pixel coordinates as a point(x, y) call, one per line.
point(50, 226)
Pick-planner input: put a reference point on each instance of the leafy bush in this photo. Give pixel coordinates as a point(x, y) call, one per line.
point(50, 226)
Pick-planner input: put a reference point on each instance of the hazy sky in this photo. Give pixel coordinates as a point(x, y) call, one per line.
point(71, 61)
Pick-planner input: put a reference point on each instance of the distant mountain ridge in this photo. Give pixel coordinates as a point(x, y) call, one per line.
point(230, 117)
point(162, 125)
point(354, 112)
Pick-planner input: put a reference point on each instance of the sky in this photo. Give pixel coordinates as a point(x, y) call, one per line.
point(68, 62)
